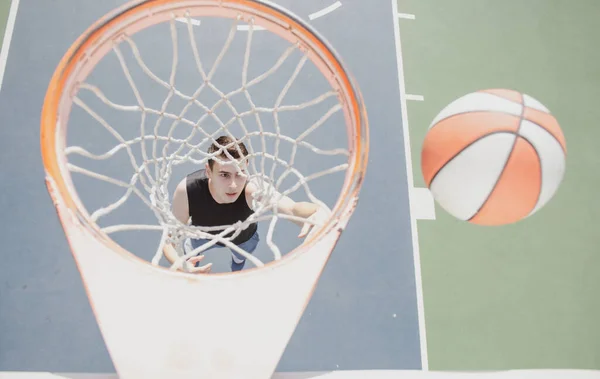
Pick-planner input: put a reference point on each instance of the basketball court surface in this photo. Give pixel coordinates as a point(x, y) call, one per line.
point(404, 290)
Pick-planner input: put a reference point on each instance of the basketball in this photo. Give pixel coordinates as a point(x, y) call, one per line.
point(493, 157)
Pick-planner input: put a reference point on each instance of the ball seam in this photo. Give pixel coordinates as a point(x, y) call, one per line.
point(512, 149)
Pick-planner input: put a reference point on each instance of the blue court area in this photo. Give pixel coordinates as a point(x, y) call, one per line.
point(364, 313)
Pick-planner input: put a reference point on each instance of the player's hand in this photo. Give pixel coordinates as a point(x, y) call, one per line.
point(191, 265)
point(316, 219)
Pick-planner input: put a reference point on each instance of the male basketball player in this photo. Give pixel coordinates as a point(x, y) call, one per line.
point(219, 194)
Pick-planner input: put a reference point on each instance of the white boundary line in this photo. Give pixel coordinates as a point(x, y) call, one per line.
point(184, 20)
point(410, 180)
point(10, 26)
point(245, 28)
point(325, 10)
point(406, 16)
point(424, 204)
point(414, 97)
point(240, 28)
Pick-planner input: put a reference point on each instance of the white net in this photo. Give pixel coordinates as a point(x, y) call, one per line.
point(281, 108)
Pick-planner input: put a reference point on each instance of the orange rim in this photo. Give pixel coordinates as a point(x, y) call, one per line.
point(358, 134)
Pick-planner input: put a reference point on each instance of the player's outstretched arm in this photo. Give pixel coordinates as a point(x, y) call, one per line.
point(180, 209)
point(180, 206)
point(312, 213)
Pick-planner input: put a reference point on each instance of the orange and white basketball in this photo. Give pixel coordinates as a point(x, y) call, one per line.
point(493, 157)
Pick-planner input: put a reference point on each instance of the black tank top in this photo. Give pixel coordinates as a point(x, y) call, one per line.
point(205, 211)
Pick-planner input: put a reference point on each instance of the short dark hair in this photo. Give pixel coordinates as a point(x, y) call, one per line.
point(225, 141)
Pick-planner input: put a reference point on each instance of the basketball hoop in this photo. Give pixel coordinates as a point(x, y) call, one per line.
point(147, 339)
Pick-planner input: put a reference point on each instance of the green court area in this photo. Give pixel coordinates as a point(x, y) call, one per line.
point(523, 295)
point(4, 8)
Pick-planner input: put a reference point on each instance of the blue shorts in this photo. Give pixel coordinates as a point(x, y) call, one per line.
point(237, 260)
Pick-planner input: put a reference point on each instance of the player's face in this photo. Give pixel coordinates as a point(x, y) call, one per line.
point(226, 181)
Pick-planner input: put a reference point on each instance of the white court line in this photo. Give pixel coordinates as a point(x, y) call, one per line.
point(406, 16)
point(8, 32)
point(325, 10)
point(424, 204)
point(185, 20)
point(245, 28)
point(242, 28)
point(414, 97)
point(410, 180)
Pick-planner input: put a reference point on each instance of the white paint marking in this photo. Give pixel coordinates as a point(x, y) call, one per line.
point(414, 97)
point(241, 28)
point(8, 32)
point(185, 20)
point(324, 11)
point(410, 180)
point(406, 16)
point(423, 203)
point(245, 28)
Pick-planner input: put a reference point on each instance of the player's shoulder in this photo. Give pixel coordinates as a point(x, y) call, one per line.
point(182, 187)
point(190, 181)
